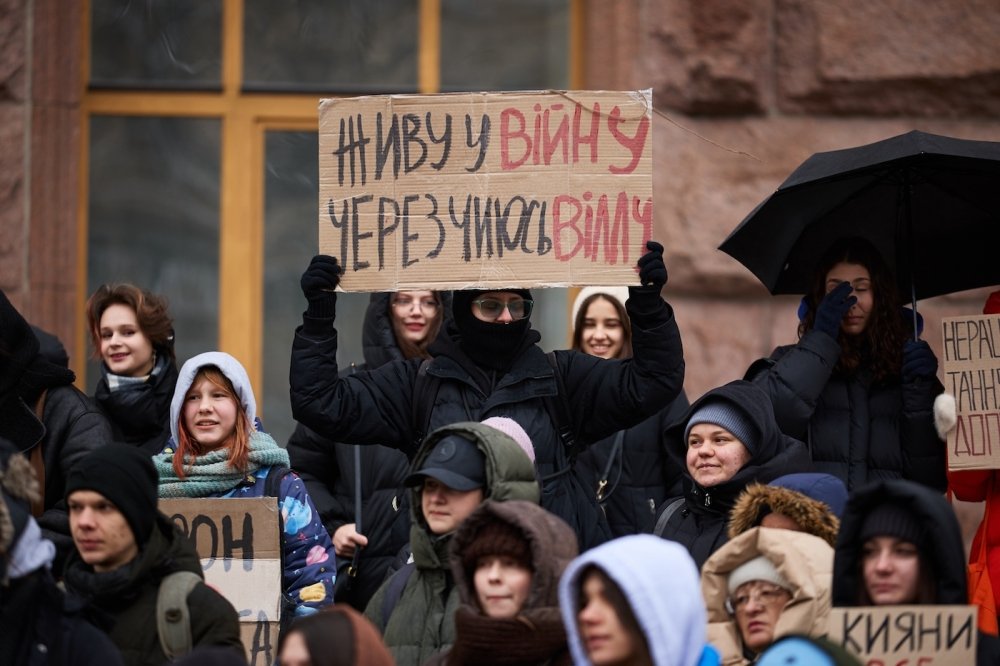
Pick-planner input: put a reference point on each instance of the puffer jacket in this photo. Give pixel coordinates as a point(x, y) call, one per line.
point(376, 407)
point(804, 560)
point(421, 622)
point(641, 475)
point(328, 470)
point(536, 635)
point(700, 522)
point(127, 597)
point(857, 430)
point(139, 416)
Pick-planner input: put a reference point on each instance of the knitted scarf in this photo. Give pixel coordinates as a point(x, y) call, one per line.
point(211, 474)
point(117, 383)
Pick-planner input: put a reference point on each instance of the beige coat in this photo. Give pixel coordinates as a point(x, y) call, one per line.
point(806, 562)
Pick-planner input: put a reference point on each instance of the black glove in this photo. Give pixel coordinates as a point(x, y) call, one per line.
point(652, 276)
point(918, 360)
point(318, 284)
point(831, 310)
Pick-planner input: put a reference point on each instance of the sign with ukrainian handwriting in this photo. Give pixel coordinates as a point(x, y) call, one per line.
point(906, 635)
point(239, 543)
point(971, 364)
point(486, 190)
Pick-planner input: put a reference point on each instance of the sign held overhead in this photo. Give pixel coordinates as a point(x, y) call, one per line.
point(484, 190)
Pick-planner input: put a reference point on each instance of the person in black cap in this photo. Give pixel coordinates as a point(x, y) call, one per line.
point(46, 418)
point(457, 467)
point(487, 362)
point(126, 547)
point(727, 440)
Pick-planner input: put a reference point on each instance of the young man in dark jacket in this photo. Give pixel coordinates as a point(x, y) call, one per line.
point(126, 547)
point(487, 363)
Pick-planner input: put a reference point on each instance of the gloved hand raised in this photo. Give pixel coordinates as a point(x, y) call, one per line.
point(652, 275)
point(318, 284)
point(831, 310)
point(918, 360)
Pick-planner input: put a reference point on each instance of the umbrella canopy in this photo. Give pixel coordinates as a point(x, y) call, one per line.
point(930, 203)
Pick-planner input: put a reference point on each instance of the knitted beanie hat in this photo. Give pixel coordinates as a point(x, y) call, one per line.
point(512, 429)
point(497, 538)
point(729, 417)
point(127, 478)
point(892, 520)
point(759, 568)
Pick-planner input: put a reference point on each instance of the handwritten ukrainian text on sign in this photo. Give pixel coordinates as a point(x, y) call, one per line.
point(486, 189)
point(238, 541)
point(906, 635)
point(972, 374)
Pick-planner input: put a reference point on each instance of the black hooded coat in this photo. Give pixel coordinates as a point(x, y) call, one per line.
point(941, 547)
point(700, 523)
point(327, 467)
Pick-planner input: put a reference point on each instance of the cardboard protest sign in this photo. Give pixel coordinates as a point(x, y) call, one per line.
point(906, 635)
point(239, 543)
point(469, 190)
point(972, 375)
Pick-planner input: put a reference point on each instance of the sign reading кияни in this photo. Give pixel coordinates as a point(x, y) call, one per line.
point(484, 190)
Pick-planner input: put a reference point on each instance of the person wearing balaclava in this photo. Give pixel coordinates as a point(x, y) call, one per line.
point(46, 418)
point(487, 362)
point(727, 440)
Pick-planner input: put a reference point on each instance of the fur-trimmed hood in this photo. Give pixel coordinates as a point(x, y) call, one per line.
point(812, 515)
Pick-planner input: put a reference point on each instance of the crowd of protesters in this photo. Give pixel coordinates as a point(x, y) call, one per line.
point(520, 507)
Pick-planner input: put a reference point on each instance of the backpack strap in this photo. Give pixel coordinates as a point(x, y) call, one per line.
point(394, 591)
point(272, 488)
point(615, 455)
point(272, 484)
point(424, 393)
point(173, 617)
point(558, 408)
point(661, 522)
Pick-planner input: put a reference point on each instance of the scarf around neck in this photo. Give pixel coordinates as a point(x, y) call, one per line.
point(211, 473)
point(116, 383)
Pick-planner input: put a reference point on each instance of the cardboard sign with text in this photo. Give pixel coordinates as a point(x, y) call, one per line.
point(470, 190)
point(239, 543)
point(972, 374)
point(909, 635)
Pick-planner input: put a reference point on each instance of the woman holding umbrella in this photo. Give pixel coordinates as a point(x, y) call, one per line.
point(855, 388)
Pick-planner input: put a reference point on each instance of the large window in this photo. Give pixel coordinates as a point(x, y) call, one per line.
point(200, 147)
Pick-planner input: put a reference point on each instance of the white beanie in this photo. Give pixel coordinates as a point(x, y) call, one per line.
point(512, 429)
point(759, 568)
point(620, 294)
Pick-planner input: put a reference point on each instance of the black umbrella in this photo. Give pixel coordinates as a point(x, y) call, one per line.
point(931, 204)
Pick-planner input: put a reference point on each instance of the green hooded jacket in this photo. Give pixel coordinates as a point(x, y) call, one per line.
point(422, 621)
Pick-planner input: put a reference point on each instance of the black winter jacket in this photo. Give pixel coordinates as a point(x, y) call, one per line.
point(639, 477)
point(126, 597)
point(328, 469)
point(603, 397)
point(141, 416)
point(699, 524)
point(855, 429)
point(73, 428)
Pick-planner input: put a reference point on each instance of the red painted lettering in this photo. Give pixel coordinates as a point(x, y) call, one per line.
point(634, 144)
point(507, 135)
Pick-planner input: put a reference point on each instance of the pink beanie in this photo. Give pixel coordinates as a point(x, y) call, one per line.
point(512, 429)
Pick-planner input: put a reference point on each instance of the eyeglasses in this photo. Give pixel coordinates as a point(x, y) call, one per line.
point(428, 305)
point(492, 308)
point(765, 596)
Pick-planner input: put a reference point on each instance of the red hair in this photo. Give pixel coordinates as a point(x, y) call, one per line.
point(238, 442)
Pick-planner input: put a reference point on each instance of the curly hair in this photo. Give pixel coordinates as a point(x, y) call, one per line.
point(581, 316)
point(150, 313)
point(880, 345)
